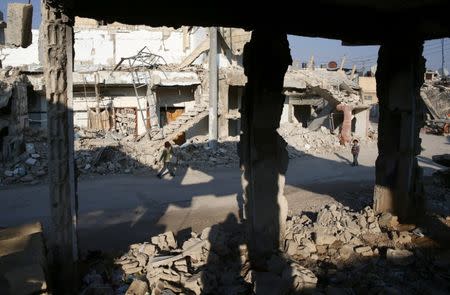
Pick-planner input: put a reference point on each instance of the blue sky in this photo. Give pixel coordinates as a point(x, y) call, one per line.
point(324, 50)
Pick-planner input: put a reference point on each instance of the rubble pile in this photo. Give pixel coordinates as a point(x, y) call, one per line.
point(96, 152)
point(196, 153)
point(103, 153)
point(110, 152)
point(31, 165)
point(338, 252)
point(357, 252)
point(302, 140)
point(333, 225)
point(215, 261)
point(331, 85)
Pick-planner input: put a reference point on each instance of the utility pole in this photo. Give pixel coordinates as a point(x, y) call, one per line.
point(213, 88)
point(311, 63)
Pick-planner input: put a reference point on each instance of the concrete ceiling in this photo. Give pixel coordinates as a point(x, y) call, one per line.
point(353, 21)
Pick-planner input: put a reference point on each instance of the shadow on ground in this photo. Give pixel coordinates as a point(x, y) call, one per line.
point(127, 226)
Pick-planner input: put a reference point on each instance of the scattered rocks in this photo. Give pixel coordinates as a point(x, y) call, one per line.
point(165, 241)
point(341, 248)
point(388, 221)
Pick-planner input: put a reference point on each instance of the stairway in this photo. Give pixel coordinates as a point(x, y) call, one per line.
point(150, 149)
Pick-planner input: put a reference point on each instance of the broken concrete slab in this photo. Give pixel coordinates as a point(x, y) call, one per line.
point(137, 287)
point(165, 241)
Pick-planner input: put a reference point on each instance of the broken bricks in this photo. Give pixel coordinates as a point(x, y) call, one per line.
point(137, 287)
point(215, 261)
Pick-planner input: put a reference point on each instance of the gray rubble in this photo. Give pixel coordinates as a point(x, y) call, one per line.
point(339, 251)
point(102, 153)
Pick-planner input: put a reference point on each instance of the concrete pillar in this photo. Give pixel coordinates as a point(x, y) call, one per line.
point(262, 150)
point(400, 74)
point(362, 123)
point(57, 43)
point(18, 30)
point(213, 87)
point(152, 106)
point(223, 108)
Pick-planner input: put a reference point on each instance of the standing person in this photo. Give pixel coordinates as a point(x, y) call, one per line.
point(166, 158)
point(355, 152)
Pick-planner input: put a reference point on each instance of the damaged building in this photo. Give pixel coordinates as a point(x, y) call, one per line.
point(146, 95)
point(14, 93)
point(136, 80)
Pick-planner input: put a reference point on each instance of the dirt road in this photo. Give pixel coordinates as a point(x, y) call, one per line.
point(117, 210)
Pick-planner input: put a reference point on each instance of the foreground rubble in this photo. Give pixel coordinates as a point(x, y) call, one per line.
point(339, 251)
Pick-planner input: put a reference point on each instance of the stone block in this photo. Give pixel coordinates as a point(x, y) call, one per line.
point(18, 30)
point(137, 287)
point(322, 237)
point(387, 220)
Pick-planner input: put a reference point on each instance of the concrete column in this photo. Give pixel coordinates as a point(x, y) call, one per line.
point(152, 106)
point(223, 108)
point(400, 74)
point(57, 43)
point(362, 123)
point(262, 150)
point(213, 86)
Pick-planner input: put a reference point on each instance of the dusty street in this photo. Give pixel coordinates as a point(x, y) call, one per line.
point(117, 210)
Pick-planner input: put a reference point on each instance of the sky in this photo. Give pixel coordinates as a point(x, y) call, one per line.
point(323, 50)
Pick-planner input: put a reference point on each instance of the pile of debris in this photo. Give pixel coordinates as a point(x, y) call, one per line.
point(31, 165)
point(436, 97)
point(341, 252)
point(197, 153)
point(334, 86)
point(357, 252)
point(216, 261)
point(302, 140)
point(103, 152)
point(111, 152)
point(96, 152)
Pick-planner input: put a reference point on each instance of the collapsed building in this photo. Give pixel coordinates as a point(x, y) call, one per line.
point(399, 187)
point(435, 94)
point(14, 91)
point(139, 78)
point(145, 85)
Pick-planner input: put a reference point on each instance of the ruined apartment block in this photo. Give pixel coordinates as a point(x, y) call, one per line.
point(177, 82)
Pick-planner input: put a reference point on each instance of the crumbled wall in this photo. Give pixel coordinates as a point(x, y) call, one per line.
point(439, 98)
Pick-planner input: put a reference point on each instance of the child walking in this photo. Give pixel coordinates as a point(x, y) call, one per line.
point(166, 158)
